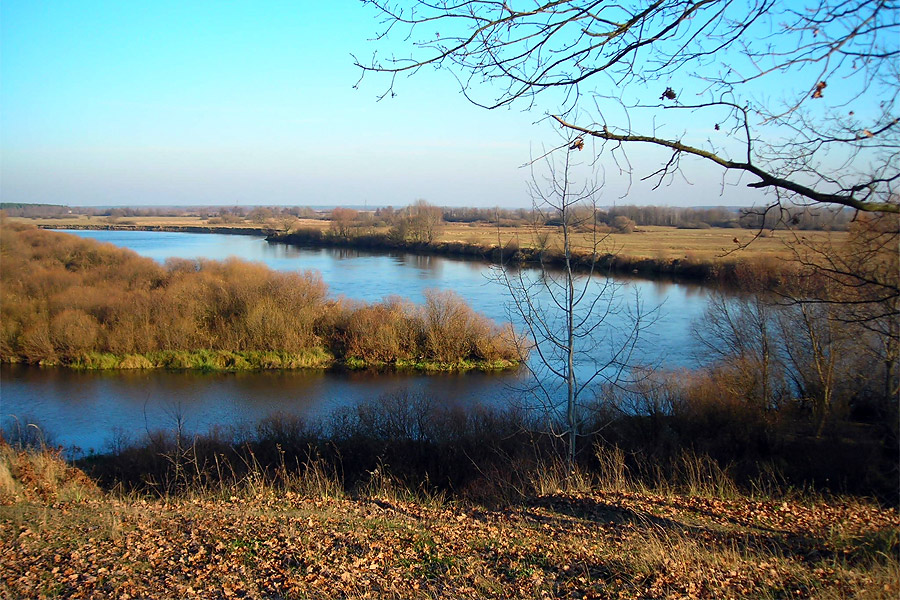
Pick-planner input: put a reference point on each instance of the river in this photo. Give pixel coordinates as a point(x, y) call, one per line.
point(89, 411)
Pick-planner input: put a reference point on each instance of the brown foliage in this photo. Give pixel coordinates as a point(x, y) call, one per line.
point(64, 296)
point(384, 332)
point(73, 331)
point(445, 330)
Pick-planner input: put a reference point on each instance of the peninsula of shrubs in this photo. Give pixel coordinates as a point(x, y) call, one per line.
point(79, 303)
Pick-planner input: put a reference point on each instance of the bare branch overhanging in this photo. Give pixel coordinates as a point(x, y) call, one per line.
point(845, 198)
point(831, 137)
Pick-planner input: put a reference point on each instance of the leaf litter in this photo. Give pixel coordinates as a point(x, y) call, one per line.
point(600, 544)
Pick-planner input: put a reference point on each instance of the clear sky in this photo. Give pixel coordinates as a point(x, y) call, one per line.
point(143, 103)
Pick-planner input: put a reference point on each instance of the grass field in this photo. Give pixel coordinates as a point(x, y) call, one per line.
point(661, 243)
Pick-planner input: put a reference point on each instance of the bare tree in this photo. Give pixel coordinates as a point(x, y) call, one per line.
point(741, 330)
point(798, 97)
point(343, 220)
point(857, 283)
point(579, 329)
point(425, 221)
point(419, 222)
point(827, 337)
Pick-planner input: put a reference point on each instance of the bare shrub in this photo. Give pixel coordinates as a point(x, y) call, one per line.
point(496, 343)
point(370, 334)
point(36, 344)
point(623, 224)
point(383, 332)
point(453, 331)
point(73, 331)
point(448, 323)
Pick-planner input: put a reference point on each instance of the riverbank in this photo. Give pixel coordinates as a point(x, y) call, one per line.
point(225, 361)
point(63, 536)
point(687, 269)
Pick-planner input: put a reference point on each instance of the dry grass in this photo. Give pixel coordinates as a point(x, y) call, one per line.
point(654, 242)
point(27, 475)
point(260, 542)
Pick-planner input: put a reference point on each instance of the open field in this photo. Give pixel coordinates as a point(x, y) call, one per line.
point(659, 242)
point(62, 537)
point(651, 242)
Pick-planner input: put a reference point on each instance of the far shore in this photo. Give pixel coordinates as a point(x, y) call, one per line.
point(705, 255)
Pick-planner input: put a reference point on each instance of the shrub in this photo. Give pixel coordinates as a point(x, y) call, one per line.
point(623, 224)
point(382, 333)
point(74, 301)
point(73, 331)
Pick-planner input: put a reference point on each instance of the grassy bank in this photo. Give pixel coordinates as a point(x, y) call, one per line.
point(687, 268)
point(76, 302)
point(206, 360)
point(62, 536)
point(226, 361)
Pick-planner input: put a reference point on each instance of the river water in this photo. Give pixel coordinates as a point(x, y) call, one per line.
point(91, 410)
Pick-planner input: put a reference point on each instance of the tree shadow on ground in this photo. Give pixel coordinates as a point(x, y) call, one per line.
point(563, 510)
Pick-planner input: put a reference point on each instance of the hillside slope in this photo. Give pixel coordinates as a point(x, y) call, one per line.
point(60, 541)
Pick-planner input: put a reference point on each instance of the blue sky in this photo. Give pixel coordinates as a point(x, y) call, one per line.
point(143, 103)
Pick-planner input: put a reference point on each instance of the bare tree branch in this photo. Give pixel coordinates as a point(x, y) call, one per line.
point(847, 198)
point(809, 91)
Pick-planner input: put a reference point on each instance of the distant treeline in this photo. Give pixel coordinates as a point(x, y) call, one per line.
point(72, 301)
point(36, 211)
point(224, 214)
point(799, 217)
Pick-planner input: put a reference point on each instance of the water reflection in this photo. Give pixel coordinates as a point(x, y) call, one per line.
point(427, 267)
point(661, 287)
point(338, 253)
point(85, 408)
point(284, 251)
